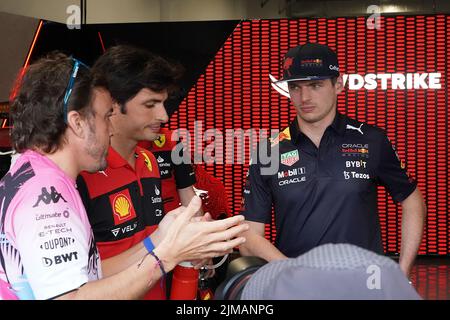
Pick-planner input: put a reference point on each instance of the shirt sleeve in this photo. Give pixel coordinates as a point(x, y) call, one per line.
point(184, 174)
point(52, 238)
point(257, 197)
point(392, 173)
point(84, 192)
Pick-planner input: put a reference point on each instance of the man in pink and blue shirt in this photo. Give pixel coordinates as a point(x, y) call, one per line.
point(61, 112)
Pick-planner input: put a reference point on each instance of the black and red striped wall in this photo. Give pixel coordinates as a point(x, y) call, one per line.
point(235, 92)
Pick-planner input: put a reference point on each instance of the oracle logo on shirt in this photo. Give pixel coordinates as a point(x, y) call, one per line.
point(122, 207)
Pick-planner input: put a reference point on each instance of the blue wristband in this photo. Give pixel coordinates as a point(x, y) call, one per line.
point(149, 244)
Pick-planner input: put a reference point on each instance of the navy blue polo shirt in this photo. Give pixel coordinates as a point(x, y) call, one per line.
point(326, 194)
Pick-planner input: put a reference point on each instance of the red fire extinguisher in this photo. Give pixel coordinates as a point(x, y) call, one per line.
point(184, 282)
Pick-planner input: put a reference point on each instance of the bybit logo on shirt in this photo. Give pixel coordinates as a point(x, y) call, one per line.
point(356, 164)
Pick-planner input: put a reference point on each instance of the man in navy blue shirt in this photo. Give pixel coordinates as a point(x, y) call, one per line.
point(325, 189)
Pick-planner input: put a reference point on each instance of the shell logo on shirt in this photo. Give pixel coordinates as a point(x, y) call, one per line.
point(122, 207)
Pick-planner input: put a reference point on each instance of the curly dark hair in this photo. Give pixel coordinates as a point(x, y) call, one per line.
point(127, 70)
point(37, 103)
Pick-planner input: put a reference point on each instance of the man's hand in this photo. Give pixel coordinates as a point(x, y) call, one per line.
point(185, 239)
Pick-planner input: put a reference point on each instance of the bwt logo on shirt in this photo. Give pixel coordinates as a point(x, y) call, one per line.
point(62, 258)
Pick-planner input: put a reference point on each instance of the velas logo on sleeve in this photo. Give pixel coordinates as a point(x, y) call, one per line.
point(122, 207)
point(289, 158)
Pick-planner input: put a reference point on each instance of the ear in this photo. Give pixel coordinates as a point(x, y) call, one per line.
point(116, 108)
point(339, 86)
point(76, 123)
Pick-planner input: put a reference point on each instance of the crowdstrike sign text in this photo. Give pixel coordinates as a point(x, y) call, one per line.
point(380, 81)
point(395, 81)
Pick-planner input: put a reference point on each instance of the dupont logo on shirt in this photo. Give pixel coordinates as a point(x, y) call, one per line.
point(122, 207)
point(289, 158)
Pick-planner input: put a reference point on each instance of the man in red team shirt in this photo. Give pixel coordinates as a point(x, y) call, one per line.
point(124, 202)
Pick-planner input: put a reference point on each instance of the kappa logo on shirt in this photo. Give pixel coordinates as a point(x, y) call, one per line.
point(289, 158)
point(122, 207)
point(46, 197)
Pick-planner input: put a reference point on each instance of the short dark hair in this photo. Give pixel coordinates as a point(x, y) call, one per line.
point(37, 102)
point(127, 70)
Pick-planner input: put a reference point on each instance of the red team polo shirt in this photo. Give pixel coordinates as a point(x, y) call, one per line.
point(124, 205)
point(173, 176)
